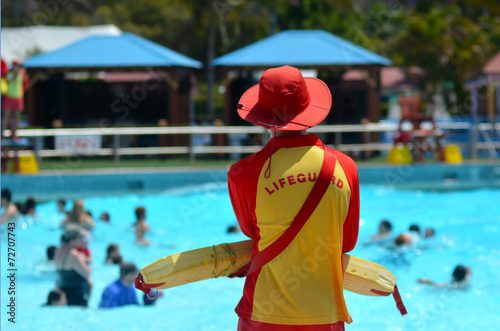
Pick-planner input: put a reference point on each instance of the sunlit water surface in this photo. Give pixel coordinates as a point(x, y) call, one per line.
point(466, 224)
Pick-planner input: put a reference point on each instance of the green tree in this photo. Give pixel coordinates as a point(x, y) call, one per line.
point(447, 45)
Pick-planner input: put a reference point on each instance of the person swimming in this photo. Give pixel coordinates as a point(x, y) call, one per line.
point(459, 279)
point(384, 234)
point(233, 229)
point(104, 217)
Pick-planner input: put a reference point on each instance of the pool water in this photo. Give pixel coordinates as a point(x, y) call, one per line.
point(466, 225)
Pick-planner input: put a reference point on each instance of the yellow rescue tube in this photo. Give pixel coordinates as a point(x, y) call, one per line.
point(360, 276)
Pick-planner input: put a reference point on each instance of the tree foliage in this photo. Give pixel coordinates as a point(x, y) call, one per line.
point(450, 42)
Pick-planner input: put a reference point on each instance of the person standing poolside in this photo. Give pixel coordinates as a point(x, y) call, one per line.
point(303, 285)
point(10, 211)
point(13, 103)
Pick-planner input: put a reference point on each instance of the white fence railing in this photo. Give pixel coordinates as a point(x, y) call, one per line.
point(192, 148)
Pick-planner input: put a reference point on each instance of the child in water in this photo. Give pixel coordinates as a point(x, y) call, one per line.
point(141, 226)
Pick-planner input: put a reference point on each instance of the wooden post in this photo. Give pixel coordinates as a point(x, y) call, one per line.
point(491, 102)
point(474, 132)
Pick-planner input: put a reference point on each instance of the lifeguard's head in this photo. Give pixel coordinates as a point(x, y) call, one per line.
point(285, 100)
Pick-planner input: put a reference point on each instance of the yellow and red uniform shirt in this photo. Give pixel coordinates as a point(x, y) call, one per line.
point(303, 285)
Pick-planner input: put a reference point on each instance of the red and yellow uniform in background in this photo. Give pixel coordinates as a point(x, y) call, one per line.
point(17, 81)
point(5, 70)
point(286, 290)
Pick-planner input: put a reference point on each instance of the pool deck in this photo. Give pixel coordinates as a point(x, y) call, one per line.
point(72, 184)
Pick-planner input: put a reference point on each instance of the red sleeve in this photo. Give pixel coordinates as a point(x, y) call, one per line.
point(351, 223)
point(241, 209)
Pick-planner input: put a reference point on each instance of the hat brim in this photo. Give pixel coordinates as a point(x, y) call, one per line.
point(317, 110)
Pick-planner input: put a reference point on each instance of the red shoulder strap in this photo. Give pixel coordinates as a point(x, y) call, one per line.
point(319, 189)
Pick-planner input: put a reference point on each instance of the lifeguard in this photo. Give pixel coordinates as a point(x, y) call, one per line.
point(13, 102)
point(267, 191)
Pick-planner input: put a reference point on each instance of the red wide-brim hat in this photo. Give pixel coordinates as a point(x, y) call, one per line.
point(285, 100)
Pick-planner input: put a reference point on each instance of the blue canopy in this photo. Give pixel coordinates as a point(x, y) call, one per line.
point(301, 48)
point(105, 51)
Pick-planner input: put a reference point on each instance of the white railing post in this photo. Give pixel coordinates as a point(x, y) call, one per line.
point(474, 132)
point(38, 148)
point(192, 157)
point(338, 139)
point(116, 150)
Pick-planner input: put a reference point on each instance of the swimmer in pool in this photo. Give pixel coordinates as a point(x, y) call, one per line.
point(56, 297)
point(383, 234)
point(78, 216)
point(141, 226)
point(113, 255)
point(9, 209)
point(459, 279)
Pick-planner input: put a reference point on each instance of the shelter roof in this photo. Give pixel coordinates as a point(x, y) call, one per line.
point(311, 48)
point(392, 78)
point(493, 65)
point(491, 73)
point(19, 43)
point(122, 51)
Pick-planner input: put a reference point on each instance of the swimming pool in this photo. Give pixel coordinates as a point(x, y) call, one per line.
point(466, 223)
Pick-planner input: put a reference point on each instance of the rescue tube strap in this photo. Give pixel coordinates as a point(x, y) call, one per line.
point(384, 294)
point(315, 196)
point(399, 301)
point(146, 288)
point(397, 298)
